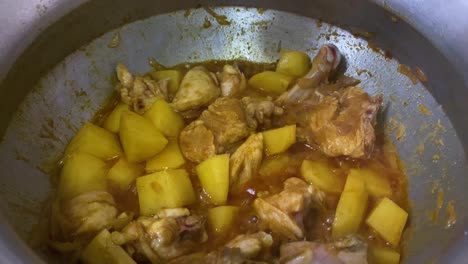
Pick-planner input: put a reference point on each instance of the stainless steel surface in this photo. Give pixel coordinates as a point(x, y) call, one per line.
point(29, 149)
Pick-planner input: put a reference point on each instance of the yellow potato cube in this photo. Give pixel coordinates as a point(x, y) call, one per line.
point(165, 119)
point(351, 208)
point(169, 158)
point(96, 141)
point(140, 139)
point(164, 189)
point(221, 218)
point(279, 140)
point(274, 165)
point(321, 175)
point(214, 178)
point(174, 77)
point(294, 63)
point(377, 185)
point(112, 122)
point(388, 220)
point(102, 250)
point(123, 173)
point(271, 82)
point(81, 173)
point(354, 183)
point(382, 255)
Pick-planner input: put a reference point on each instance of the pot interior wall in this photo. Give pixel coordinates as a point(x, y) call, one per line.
point(74, 89)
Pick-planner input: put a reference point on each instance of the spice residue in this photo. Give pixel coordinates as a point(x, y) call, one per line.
point(420, 74)
point(155, 64)
point(440, 142)
point(451, 214)
point(261, 10)
point(397, 127)
point(361, 71)
point(439, 205)
point(221, 19)
point(420, 148)
point(188, 12)
point(115, 41)
point(207, 23)
point(424, 110)
point(405, 70)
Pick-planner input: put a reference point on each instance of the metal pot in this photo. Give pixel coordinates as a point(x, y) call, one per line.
point(55, 64)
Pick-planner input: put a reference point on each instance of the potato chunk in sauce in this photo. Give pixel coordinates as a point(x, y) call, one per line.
point(308, 199)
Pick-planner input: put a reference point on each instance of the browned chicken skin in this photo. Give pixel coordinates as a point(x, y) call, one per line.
point(283, 212)
point(226, 119)
point(342, 124)
point(137, 91)
point(197, 142)
point(338, 118)
point(169, 234)
point(219, 126)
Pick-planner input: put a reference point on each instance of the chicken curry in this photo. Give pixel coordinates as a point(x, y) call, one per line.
point(233, 162)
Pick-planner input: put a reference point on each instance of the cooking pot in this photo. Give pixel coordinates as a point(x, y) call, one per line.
point(57, 59)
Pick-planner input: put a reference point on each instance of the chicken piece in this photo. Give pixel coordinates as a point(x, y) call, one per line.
point(197, 142)
point(259, 111)
point(245, 161)
point(139, 92)
point(221, 256)
point(198, 88)
point(167, 235)
point(342, 124)
point(219, 126)
point(251, 245)
point(88, 213)
point(284, 212)
point(239, 250)
point(232, 80)
point(226, 119)
point(350, 250)
point(323, 65)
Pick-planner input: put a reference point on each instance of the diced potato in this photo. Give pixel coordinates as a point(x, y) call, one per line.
point(174, 77)
point(321, 175)
point(214, 178)
point(169, 158)
point(123, 173)
point(164, 118)
point(164, 189)
point(294, 63)
point(221, 218)
point(388, 220)
point(140, 139)
point(382, 255)
point(272, 82)
point(354, 183)
point(112, 122)
point(82, 173)
point(101, 250)
point(377, 185)
point(351, 207)
point(274, 165)
point(96, 141)
point(279, 140)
